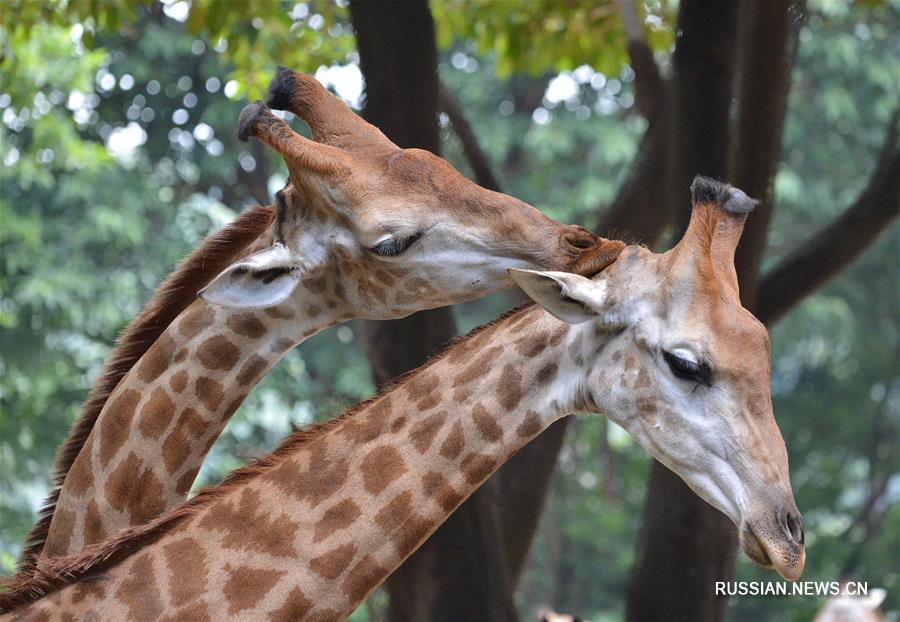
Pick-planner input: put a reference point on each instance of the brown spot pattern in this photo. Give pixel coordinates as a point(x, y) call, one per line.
point(422, 432)
point(413, 532)
point(422, 384)
point(197, 318)
point(150, 503)
point(247, 586)
point(325, 614)
point(463, 351)
point(294, 608)
point(186, 564)
point(643, 379)
point(156, 359)
point(368, 425)
point(454, 443)
point(88, 587)
point(209, 392)
point(321, 479)
point(531, 345)
point(380, 467)
point(279, 313)
point(247, 325)
point(547, 373)
point(332, 564)
point(429, 401)
point(509, 387)
point(129, 487)
point(479, 367)
point(281, 345)
point(218, 353)
point(81, 476)
point(558, 335)
point(274, 532)
point(339, 516)
point(177, 447)
point(139, 591)
point(179, 381)
point(64, 520)
point(531, 425)
point(476, 467)
point(121, 480)
point(156, 413)
point(384, 277)
point(487, 426)
point(391, 516)
point(436, 486)
point(646, 405)
point(196, 612)
point(115, 424)
point(316, 285)
point(184, 483)
point(253, 368)
point(363, 578)
point(93, 524)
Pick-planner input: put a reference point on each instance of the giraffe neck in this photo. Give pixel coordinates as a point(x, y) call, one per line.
point(315, 527)
point(161, 420)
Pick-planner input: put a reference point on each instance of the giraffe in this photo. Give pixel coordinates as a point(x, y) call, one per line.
point(849, 605)
point(364, 230)
point(659, 343)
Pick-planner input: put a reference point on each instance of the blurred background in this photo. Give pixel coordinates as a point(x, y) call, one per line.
point(119, 156)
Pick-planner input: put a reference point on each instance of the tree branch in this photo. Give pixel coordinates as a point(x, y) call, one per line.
point(475, 155)
point(767, 44)
point(641, 208)
point(828, 252)
point(648, 84)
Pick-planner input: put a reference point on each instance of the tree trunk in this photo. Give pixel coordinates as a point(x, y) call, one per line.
point(677, 560)
point(686, 545)
point(767, 48)
point(459, 572)
point(835, 246)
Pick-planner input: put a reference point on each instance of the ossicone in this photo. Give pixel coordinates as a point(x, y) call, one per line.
point(706, 191)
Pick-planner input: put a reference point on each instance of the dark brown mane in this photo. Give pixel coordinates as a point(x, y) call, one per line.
point(26, 587)
point(170, 299)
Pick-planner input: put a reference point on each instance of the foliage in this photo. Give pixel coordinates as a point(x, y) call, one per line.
point(119, 155)
point(545, 35)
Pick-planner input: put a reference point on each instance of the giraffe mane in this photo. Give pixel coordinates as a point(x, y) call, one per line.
point(34, 583)
point(171, 298)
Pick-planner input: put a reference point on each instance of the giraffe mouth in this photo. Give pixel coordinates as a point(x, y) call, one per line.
point(754, 549)
point(785, 558)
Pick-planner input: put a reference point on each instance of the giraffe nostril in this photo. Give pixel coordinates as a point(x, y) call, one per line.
point(792, 524)
point(580, 238)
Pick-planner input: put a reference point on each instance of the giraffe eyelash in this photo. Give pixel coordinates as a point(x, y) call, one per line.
point(685, 369)
point(394, 246)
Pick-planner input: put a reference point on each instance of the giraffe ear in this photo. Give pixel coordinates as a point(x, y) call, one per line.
point(263, 279)
point(570, 297)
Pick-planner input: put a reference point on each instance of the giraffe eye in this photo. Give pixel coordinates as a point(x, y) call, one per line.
point(687, 369)
point(395, 246)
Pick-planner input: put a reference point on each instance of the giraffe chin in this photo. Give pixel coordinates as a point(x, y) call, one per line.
point(788, 561)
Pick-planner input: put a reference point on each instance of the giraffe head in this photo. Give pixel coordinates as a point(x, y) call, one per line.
point(400, 228)
point(668, 352)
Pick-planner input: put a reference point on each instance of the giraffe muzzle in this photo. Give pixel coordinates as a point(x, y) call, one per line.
point(776, 540)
